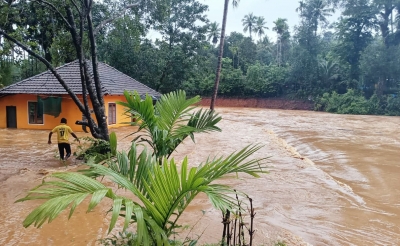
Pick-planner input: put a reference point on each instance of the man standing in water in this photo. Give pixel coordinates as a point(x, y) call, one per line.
point(63, 132)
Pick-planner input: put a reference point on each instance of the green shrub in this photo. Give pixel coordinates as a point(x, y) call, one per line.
point(392, 106)
point(97, 148)
point(348, 103)
point(355, 103)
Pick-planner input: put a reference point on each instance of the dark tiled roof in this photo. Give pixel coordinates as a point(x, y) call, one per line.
point(113, 82)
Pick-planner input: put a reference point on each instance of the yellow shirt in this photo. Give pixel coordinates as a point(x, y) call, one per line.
point(63, 132)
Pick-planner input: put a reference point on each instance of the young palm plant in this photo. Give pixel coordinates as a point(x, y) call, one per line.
point(170, 121)
point(163, 191)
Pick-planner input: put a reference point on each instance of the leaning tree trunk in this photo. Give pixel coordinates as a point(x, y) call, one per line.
point(221, 51)
point(90, 87)
point(99, 110)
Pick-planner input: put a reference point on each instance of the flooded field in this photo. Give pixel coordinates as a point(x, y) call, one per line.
point(334, 180)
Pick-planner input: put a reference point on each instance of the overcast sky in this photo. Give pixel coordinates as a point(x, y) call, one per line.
point(271, 10)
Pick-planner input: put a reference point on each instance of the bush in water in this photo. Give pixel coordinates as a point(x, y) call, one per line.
point(355, 103)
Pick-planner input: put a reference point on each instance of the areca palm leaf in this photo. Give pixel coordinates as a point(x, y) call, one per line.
point(143, 110)
point(70, 189)
point(204, 121)
point(173, 109)
point(236, 162)
point(169, 193)
point(172, 120)
point(133, 165)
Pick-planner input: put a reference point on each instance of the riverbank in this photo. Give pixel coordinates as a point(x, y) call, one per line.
point(270, 103)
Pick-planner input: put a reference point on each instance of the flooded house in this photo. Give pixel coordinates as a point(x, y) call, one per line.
point(39, 102)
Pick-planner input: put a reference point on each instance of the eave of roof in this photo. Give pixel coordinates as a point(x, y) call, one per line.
point(113, 82)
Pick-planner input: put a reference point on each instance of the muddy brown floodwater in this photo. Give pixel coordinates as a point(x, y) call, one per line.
point(334, 180)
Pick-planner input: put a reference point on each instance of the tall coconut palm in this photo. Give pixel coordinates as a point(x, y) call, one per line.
point(170, 121)
point(249, 22)
point(281, 28)
point(214, 32)
point(320, 12)
point(315, 11)
point(260, 26)
point(158, 195)
point(235, 3)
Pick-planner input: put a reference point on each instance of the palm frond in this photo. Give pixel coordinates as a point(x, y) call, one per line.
point(75, 187)
point(143, 110)
point(205, 121)
point(71, 190)
point(235, 163)
point(169, 192)
point(173, 108)
point(164, 192)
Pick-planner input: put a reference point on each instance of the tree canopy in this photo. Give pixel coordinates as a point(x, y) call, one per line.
point(171, 44)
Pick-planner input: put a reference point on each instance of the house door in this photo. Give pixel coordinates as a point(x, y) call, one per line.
point(11, 115)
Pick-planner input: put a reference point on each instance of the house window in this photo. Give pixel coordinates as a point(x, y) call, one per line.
point(112, 113)
point(35, 114)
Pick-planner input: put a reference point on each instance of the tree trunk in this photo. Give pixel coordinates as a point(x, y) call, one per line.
point(384, 24)
point(221, 51)
point(98, 130)
point(99, 110)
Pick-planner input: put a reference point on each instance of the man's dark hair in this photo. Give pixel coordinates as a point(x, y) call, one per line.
point(63, 120)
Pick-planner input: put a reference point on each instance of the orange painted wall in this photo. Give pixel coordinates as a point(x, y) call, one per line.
point(120, 117)
point(68, 110)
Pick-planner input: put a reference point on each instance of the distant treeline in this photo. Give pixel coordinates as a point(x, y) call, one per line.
point(349, 66)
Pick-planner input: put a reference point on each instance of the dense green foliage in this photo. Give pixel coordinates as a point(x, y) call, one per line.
point(171, 44)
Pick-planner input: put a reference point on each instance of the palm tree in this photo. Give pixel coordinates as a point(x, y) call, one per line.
point(172, 119)
point(315, 11)
point(235, 53)
point(281, 27)
point(159, 195)
point(260, 26)
point(249, 22)
point(213, 32)
point(329, 72)
point(221, 50)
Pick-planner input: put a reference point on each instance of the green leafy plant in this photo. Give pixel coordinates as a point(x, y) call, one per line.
point(163, 191)
point(113, 143)
point(171, 120)
point(348, 103)
point(98, 149)
point(121, 239)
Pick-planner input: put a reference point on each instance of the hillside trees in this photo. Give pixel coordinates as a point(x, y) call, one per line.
point(169, 45)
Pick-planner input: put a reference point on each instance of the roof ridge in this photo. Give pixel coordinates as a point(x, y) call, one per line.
point(129, 76)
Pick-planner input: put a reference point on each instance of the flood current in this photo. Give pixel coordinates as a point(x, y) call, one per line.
point(334, 180)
